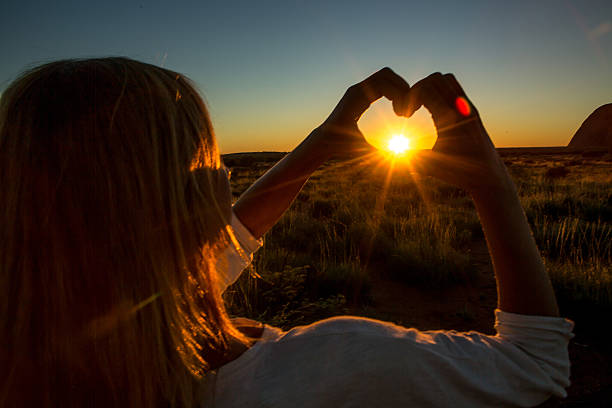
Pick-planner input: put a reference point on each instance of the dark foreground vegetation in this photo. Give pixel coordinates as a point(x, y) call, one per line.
point(373, 239)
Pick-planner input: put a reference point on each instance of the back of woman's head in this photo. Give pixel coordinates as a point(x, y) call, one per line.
point(109, 216)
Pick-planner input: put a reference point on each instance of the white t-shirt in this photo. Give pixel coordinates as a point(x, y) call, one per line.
point(358, 362)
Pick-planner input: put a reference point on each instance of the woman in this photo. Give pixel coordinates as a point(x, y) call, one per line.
point(118, 237)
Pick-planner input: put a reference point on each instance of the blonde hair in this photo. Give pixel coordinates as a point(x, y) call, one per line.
point(109, 221)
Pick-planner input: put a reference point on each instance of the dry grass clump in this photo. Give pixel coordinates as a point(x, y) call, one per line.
point(557, 172)
point(571, 218)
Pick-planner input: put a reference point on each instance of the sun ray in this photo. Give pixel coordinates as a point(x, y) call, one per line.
point(417, 178)
point(379, 208)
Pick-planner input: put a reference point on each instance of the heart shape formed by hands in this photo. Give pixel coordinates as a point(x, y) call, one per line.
point(463, 153)
point(380, 125)
point(446, 110)
point(347, 138)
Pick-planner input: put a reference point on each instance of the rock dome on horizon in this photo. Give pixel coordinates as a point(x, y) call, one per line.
point(595, 131)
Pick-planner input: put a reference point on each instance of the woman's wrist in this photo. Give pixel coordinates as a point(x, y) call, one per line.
point(318, 145)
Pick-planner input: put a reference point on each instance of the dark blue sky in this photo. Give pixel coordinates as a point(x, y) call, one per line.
point(272, 71)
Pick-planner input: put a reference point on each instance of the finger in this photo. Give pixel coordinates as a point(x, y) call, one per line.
point(457, 105)
point(429, 93)
point(419, 92)
point(452, 83)
point(462, 103)
point(390, 85)
point(401, 98)
point(386, 83)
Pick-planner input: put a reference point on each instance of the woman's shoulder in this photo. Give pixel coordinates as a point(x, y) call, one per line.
point(343, 325)
point(344, 341)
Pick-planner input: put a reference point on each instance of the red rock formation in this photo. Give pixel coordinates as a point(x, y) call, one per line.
point(595, 131)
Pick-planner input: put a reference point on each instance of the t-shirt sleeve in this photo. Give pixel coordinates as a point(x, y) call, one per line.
point(362, 362)
point(543, 340)
point(523, 365)
point(236, 258)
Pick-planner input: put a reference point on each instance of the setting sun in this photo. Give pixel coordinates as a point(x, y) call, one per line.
point(398, 144)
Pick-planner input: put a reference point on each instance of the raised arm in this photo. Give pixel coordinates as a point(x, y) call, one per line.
point(260, 206)
point(464, 155)
point(265, 201)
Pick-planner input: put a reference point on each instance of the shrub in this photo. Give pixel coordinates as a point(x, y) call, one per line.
point(556, 172)
point(349, 279)
point(323, 208)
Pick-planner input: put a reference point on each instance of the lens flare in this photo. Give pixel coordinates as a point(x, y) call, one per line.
point(398, 144)
point(463, 106)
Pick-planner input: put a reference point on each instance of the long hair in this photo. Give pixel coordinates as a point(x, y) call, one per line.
point(109, 222)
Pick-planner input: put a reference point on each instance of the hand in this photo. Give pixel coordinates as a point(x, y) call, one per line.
point(463, 154)
point(339, 133)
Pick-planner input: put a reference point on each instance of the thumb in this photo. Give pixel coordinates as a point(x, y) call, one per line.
point(402, 105)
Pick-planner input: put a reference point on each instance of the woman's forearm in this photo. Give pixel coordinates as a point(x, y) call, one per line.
point(522, 282)
point(465, 156)
point(264, 202)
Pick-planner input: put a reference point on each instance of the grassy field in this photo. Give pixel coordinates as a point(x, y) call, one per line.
point(353, 221)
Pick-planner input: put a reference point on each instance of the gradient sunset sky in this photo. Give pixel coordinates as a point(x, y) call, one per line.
point(271, 71)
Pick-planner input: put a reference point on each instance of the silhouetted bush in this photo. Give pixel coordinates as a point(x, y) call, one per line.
point(323, 208)
point(556, 172)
